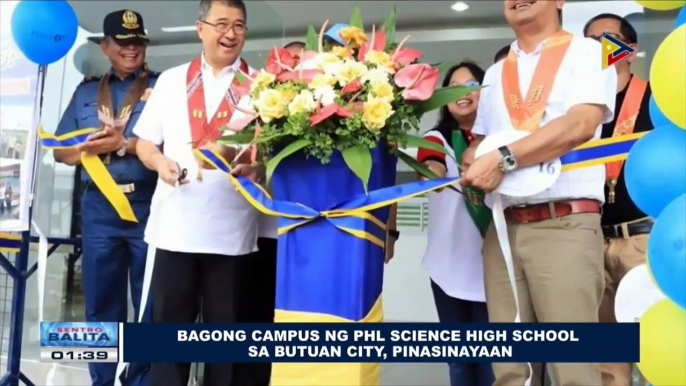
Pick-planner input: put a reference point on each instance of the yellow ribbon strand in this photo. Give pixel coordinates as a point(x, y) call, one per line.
point(94, 166)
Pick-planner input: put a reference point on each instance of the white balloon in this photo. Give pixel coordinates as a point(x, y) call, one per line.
point(635, 294)
point(522, 182)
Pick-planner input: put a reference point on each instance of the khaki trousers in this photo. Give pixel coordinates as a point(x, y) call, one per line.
point(621, 255)
point(558, 267)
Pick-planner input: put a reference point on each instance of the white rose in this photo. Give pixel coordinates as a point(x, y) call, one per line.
point(376, 75)
point(303, 102)
point(349, 71)
point(326, 94)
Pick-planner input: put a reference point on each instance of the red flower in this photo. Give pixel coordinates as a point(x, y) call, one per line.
point(418, 81)
point(405, 56)
point(298, 75)
point(378, 43)
point(280, 60)
point(323, 113)
point(352, 87)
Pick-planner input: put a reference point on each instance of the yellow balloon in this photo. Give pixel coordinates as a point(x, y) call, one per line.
point(662, 5)
point(663, 344)
point(668, 76)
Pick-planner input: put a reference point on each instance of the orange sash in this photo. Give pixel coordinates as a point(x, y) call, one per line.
point(527, 114)
point(201, 130)
point(626, 122)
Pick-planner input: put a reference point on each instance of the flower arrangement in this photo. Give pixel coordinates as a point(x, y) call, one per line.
point(346, 98)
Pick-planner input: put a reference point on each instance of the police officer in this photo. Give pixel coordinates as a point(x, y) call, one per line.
point(113, 249)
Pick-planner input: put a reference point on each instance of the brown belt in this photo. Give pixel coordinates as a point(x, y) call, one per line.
point(541, 212)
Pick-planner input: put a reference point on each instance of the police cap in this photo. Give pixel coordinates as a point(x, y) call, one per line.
point(125, 27)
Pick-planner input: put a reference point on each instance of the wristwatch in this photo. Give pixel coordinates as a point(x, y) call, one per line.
point(508, 162)
point(394, 233)
point(122, 152)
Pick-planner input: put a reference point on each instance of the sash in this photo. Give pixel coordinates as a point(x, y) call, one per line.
point(106, 112)
point(526, 114)
point(203, 131)
point(480, 213)
point(626, 122)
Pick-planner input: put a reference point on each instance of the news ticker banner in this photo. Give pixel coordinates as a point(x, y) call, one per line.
point(325, 342)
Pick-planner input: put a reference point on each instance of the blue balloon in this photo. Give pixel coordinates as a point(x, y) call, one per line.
point(667, 251)
point(655, 170)
point(656, 115)
point(681, 19)
point(44, 31)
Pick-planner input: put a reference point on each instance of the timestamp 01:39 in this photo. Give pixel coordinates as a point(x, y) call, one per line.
point(78, 354)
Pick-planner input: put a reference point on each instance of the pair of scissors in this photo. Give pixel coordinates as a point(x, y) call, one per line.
point(183, 174)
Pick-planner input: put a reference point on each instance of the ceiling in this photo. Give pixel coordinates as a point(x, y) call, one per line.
point(269, 19)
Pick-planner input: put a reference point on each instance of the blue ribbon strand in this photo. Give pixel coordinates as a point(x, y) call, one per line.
point(352, 215)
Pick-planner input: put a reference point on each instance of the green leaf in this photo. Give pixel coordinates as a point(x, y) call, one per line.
point(264, 139)
point(415, 141)
point(420, 168)
point(445, 66)
point(389, 28)
point(356, 19)
point(359, 160)
point(238, 138)
point(312, 39)
point(288, 150)
point(443, 96)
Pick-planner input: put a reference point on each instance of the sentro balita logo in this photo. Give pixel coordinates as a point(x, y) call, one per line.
point(86, 334)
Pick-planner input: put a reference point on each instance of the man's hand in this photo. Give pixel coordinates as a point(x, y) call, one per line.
point(484, 173)
point(107, 140)
point(170, 172)
point(253, 172)
point(390, 248)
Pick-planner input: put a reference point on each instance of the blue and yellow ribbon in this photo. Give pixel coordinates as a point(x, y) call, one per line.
point(351, 216)
point(94, 166)
point(10, 243)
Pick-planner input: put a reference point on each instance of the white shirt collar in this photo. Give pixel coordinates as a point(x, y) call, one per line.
point(232, 68)
point(515, 47)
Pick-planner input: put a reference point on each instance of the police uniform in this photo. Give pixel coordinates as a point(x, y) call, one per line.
point(113, 249)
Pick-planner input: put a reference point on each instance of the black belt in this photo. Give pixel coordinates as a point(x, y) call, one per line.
point(616, 232)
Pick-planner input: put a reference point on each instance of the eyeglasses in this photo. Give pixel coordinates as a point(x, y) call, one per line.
point(223, 28)
point(472, 83)
point(469, 83)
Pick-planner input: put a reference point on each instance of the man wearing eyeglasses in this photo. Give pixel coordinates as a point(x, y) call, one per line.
point(205, 233)
point(625, 227)
point(113, 249)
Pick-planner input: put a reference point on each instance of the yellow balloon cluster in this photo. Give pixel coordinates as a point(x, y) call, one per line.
point(668, 76)
point(663, 344)
point(661, 5)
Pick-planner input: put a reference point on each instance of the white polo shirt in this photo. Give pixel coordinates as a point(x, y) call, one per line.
point(453, 251)
point(207, 216)
point(580, 80)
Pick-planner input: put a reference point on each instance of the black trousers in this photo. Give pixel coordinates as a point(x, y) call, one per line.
point(221, 289)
